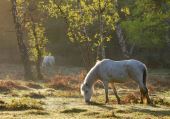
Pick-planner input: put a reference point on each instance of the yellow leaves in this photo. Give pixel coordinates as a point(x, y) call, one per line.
point(36, 36)
point(126, 10)
point(82, 3)
point(19, 1)
point(50, 7)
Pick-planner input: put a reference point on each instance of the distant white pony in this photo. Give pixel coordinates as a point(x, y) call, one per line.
point(109, 71)
point(48, 61)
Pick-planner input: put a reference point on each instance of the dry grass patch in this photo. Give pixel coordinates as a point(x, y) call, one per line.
point(66, 82)
point(7, 85)
point(74, 94)
point(132, 98)
point(159, 83)
point(60, 82)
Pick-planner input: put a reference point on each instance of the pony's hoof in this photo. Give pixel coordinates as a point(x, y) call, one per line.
point(106, 102)
point(151, 103)
point(88, 102)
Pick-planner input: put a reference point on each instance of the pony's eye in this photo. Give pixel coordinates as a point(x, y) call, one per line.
point(86, 84)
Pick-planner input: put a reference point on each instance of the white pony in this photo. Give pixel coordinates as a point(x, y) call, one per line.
point(109, 71)
point(48, 61)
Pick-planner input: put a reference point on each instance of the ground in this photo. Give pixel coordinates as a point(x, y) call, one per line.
point(58, 96)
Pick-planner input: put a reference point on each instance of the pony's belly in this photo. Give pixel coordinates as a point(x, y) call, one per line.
point(120, 79)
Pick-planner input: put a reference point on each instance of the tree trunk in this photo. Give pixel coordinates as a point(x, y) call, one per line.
point(21, 45)
point(101, 48)
point(100, 52)
point(39, 53)
point(119, 32)
point(38, 64)
point(121, 40)
point(86, 54)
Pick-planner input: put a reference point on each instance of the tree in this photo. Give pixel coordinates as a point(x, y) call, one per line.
point(30, 34)
point(36, 34)
point(148, 23)
point(119, 31)
point(18, 16)
point(88, 22)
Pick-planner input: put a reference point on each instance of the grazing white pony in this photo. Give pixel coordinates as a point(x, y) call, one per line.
point(109, 71)
point(48, 61)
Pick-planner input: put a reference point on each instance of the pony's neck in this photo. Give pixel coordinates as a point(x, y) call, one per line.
point(91, 78)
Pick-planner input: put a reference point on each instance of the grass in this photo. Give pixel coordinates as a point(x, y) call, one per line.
point(161, 101)
point(59, 97)
point(21, 104)
point(107, 114)
point(36, 95)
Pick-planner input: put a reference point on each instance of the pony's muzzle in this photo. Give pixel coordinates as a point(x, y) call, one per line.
point(87, 101)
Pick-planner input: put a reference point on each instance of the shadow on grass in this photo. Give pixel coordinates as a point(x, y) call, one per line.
point(153, 112)
point(101, 105)
point(73, 110)
point(35, 95)
point(37, 112)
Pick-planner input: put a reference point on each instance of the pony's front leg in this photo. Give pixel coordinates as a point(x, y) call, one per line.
point(141, 97)
point(106, 91)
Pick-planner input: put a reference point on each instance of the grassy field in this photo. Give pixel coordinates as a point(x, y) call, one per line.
point(58, 96)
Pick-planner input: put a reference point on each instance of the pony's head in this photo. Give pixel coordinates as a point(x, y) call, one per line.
point(86, 91)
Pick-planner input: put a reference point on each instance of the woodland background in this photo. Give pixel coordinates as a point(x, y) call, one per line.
point(147, 25)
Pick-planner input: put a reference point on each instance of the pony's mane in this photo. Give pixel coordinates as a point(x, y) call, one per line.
point(92, 74)
point(98, 61)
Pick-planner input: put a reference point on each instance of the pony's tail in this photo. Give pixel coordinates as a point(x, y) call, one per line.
point(146, 99)
point(144, 75)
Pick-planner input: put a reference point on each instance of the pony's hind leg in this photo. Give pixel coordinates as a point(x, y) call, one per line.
point(115, 92)
point(144, 95)
point(105, 83)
